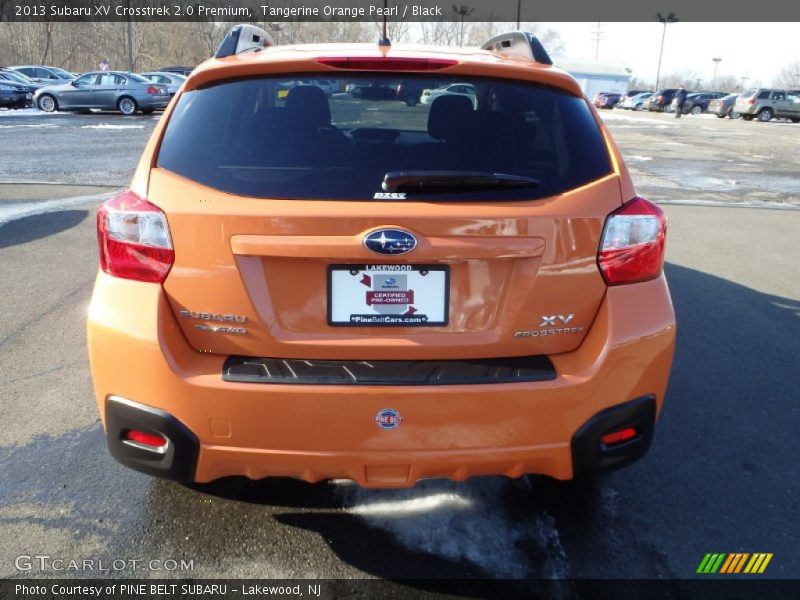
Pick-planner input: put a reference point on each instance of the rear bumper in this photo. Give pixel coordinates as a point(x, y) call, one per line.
point(317, 432)
point(154, 102)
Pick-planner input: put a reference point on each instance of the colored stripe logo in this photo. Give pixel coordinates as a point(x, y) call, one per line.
point(736, 562)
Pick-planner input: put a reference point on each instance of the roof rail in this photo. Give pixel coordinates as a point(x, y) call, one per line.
point(519, 43)
point(243, 38)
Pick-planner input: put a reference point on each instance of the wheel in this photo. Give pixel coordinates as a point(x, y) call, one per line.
point(794, 120)
point(48, 103)
point(639, 107)
point(720, 116)
point(127, 105)
point(747, 117)
point(696, 109)
point(765, 115)
point(411, 101)
point(733, 114)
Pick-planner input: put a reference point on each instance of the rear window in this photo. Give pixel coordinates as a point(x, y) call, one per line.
point(282, 137)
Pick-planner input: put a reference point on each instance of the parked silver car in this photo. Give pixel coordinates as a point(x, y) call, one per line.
point(173, 81)
point(42, 74)
point(106, 90)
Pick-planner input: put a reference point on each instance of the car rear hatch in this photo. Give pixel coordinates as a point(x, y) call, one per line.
point(281, 225)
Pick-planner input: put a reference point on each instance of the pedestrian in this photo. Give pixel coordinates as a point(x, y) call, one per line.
point(680, 100)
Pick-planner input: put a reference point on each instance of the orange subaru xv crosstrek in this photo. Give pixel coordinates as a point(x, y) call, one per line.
point(310, 277)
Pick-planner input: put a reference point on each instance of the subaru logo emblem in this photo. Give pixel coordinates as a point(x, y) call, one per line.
point(390, 241)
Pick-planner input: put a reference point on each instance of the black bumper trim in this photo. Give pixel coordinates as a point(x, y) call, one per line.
point(177, 461)
point(590, 456)
point(519, 369)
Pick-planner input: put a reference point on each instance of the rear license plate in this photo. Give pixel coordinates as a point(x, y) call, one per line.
point(388, 295)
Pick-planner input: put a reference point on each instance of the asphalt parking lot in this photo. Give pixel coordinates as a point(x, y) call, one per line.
point(721, 476)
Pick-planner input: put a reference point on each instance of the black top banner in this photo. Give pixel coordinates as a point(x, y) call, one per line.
point(397, 10)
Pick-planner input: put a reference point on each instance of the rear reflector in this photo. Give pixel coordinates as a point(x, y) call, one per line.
point(146, 439)
point(387, 63)
point(615, 437)
point(632, 247)
point(134, 239)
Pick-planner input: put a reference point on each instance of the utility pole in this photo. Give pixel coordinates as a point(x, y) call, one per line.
point(743, 80)
point(670, 18)
point(714, 79)
point(130, 46)
point(597, 35)
point(463, 12)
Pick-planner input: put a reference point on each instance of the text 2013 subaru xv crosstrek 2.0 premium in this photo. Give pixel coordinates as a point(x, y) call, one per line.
point(315, 287)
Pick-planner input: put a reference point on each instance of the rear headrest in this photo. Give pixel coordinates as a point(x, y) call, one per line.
point(309, 103)
point(449, 116)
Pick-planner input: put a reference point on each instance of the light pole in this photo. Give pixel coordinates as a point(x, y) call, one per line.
point(714, 79)
point(670, 18)
point(743, 80)
point(463, 12)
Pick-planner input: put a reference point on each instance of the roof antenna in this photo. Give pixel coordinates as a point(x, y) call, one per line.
point(385, 41)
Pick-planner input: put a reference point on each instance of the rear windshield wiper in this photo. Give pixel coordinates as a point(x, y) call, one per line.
point(446, 181)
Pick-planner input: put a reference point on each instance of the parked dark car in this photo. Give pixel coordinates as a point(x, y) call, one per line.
point(179, 70)
point(698, 102)
point(606, 99)
point(374, 90)
point(42, 74)
point(723, 107)
point(14, 95)
point(409, 92)
point(17, 77)
point(661, 100)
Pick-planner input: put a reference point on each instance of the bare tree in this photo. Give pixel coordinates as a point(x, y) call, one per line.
point(789, 76)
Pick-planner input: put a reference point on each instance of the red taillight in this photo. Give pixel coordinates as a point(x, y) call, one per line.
point(659, 99)
point(632, 247)
point(147, 439)
point(152, 90)
point(386, 63)
point(751, 101)
point(615, 437)
point(134, 240)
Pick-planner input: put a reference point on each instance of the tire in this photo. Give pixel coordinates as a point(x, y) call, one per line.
point(720, 116)
point(747, 117)
point(765, 115)
point(638, 107)
point(795, 120)
point(127, 105)
point(733, 114)
point(411, 101)
point(696, 110)
point(47, 103)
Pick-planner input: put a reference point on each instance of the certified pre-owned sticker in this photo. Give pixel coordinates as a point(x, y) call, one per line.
point(388, 418)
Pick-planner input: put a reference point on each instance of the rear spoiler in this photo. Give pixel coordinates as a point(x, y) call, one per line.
point(519, 43)
point(243, 38)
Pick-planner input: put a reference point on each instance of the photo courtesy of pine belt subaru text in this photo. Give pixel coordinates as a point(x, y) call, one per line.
point(315, 275)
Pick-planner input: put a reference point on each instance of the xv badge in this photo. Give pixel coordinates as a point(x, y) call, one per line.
point(551, 321)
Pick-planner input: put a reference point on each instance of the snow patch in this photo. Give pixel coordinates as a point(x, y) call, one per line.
point(109, 126)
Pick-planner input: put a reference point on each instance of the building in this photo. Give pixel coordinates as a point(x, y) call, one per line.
point(594, 76)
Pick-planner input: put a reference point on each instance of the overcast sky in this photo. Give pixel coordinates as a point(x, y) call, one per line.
point(754, 50)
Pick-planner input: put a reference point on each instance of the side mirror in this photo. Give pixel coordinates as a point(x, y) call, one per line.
point(74, 83)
